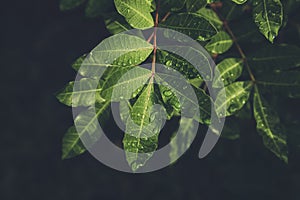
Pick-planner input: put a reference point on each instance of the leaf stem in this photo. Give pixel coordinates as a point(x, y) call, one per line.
point(154, 39)
point(240, 50)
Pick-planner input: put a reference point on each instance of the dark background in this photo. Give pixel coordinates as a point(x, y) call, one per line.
point(38, 45)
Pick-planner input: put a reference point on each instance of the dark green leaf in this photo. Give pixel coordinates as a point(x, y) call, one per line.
point(268, 125)
point(70, 4)
point(190, 24)
point(268, 16)
point(195, 5)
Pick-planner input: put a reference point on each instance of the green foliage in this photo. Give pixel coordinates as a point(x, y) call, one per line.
point(248, 40)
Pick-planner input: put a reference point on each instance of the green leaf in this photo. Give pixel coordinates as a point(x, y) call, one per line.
point(97, 8)
point(86, 94)
point(211, 16)
point(268, 125)
point(227, 71)
point(204, 101)
point(193, 25)
point(142, 129)
point(181, 144)
point(268, 16)
point(124, 84)
point(237, 95)
point(70, 4)
point(86, 123)
point(136, 12)
point(77, 64)
point(231, 129)
point(117, 51)
point(231, 11)
point(72, 145)
point(116, 24)
point(170, 100)
point(195, 5)
point(285, 83)
point(239, 1)
point(274, 57)
point(178, 63)
point(220, 43)
point(172, 5)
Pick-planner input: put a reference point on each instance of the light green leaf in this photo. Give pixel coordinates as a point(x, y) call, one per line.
point(85, 95)
point(86, 123)
point(237, 94)
point(117, 51)
point(211, 16)
point(72, 145)
point(136, 12)
point(268, 125)
point(190, 24)
point(195, 5)
point(268, 16)
point(70, 4)
point(239, 1)
point(220, 43)
point(227, 71)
